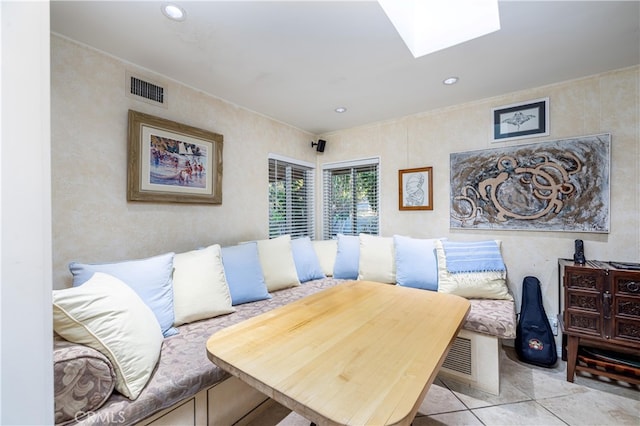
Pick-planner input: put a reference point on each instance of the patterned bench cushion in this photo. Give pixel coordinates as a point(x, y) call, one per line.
point(494, 317)
point(83, 380)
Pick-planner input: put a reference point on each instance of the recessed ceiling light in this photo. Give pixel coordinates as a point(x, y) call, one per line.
point(340, 110)
point(449, 81)
point(173, 12)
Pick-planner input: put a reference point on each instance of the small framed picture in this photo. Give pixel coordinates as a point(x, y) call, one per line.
point(522, 120)
point(172, 162)
point(416, 188)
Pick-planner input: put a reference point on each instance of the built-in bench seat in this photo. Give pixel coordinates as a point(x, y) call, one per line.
point(474, 357)
point(184, 369)
point(187, 386)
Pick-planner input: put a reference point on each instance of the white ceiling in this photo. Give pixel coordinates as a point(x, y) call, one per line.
point(296, 61)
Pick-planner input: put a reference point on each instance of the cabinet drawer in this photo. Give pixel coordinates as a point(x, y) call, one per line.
point(583, 300)
point(626, 285)
point(628, 307)
point(583, 322)
point(581, 279)
point(627, 329)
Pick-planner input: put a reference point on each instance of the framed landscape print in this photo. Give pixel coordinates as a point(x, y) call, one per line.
point(415, 189)
point(172, 162)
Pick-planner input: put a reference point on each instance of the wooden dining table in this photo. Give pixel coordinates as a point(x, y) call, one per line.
point(359, 353)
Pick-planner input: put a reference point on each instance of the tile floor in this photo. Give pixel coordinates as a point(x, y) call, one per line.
point(529, 395)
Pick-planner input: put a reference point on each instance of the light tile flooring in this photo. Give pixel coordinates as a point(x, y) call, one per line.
point(529, 395)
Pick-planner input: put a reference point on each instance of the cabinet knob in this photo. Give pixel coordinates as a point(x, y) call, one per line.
point(633, 286)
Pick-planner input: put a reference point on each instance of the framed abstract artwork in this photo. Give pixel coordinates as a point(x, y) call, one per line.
point(172, 162)
point(561, 185)
point(522, 120)
point(415, 189)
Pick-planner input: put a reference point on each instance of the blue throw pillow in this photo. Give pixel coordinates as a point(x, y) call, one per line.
point(347, 257)
point(416, 262)
point(306, 260)
point(244, 273)
point(473, 256)
point(150, 278)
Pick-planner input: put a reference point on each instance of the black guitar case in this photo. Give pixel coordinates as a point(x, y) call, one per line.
point(534, 339)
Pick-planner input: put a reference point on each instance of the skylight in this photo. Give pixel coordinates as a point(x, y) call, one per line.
point(429, 26)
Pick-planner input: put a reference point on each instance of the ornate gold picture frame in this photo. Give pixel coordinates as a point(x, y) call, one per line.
point(172, 162)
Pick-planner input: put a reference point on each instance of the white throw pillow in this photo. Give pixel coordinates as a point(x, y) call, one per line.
point(326, 251)
point(377, 259)
point(200, 289)
point(278, 266)
point(107, 315)
point(472, 285)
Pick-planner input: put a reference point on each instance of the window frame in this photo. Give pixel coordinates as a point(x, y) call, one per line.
point(292, 224)
point(328, 232)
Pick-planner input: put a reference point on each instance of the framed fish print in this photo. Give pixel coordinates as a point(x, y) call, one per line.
point(519, 121)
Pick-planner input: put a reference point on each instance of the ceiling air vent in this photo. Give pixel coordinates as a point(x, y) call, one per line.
point(146, 90)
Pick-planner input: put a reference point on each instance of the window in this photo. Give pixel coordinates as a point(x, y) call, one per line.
point(350, 198)
point(291, 198)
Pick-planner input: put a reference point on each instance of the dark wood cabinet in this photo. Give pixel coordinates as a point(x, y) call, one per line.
point(601, 310)
point(626, 307)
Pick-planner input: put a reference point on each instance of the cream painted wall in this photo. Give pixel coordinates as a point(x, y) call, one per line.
point(607, 103)
point(92, 220)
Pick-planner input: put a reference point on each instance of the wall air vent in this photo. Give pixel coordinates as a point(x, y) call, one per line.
point(143, 89)
point(147, 90)
point(459, 357)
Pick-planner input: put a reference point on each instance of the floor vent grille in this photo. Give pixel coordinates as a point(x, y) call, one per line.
point(459, 357)
point(145, 90)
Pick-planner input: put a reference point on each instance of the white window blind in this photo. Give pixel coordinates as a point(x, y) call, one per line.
point(291, 198)
point(351, 198)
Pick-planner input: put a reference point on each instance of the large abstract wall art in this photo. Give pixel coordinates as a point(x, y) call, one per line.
point(550, 186)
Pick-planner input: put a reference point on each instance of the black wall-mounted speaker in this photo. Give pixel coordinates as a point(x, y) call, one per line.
point(578, 255)
point(319, 145)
